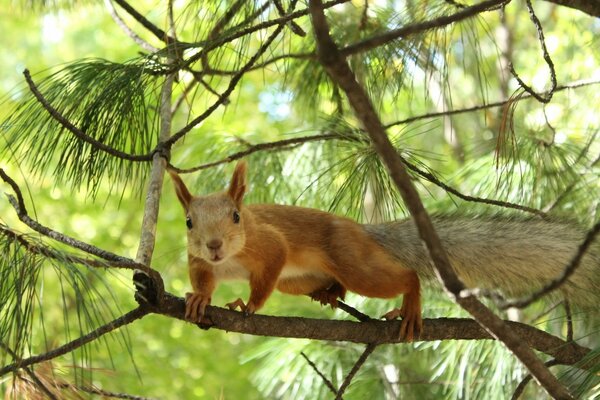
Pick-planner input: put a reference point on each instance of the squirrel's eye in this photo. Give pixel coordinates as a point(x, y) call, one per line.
point(236, 217)
point(188, 222)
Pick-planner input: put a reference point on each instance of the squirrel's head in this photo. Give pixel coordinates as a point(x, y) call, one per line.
point(215, 222)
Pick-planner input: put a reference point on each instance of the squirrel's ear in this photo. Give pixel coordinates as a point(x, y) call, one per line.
point(183, 194)
point(237, 187)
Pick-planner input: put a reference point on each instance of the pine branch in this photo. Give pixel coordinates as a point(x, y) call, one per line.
point(77, 343)
point(337, 67)
point(78, 132)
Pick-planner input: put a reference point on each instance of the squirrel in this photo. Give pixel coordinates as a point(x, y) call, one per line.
point(304, 251)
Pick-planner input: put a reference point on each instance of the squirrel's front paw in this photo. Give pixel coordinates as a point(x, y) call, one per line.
point(195, 304)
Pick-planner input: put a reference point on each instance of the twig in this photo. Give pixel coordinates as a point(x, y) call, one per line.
point(538, 26)
point(206, 47)
point(21, 211)
point(258, 147)
point(569, 321)
point(506, 204)
point(78, 132)
point(408, 30)
point(225, 95)
point(294, 27)
point(521, 386)
point(323, 377)
point(49, 252)
point(28, 371)
point(354, 312)
point(156, 31)
point(128, 31)
point(128, 318)
point(557, 282)
point(501, 103)
point(340, 72)
point(103, 393)
point(357, 365)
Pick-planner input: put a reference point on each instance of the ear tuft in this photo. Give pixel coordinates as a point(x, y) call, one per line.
point(183, 194)
point(237, 187)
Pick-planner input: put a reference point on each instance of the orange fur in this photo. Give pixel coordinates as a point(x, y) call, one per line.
point(294, 249)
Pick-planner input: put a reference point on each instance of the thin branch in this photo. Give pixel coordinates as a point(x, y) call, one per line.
point(412, 29)
point(126, 319)
point(103, 393)
point(566, 274)
point(125, 28)
point(354, 312)
point(258, 147)
point(501, 103)
point(156, 31)
point(21, 211)
point(340, 72)
point(294, 27)
point(357, 365)
point(28, 371)
point(548, 95)
point(323, 377)
point(521, 386)
point(569, 315)
point(49, 252)
point(78, 132)
point(243, 32)
point(506, 204)
point(225, 95)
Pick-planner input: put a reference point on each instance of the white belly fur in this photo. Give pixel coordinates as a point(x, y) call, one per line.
point(231, 269)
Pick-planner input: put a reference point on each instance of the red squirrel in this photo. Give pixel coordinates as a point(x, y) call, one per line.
point(297, 250)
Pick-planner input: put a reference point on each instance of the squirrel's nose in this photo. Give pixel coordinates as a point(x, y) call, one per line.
point(214, 244)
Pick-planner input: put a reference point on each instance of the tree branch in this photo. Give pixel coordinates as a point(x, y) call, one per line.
point(372, 331)
point(590, 7)
point(339, 70)
point(75, 344)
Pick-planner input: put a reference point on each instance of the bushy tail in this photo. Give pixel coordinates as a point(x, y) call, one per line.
point(515, 256)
